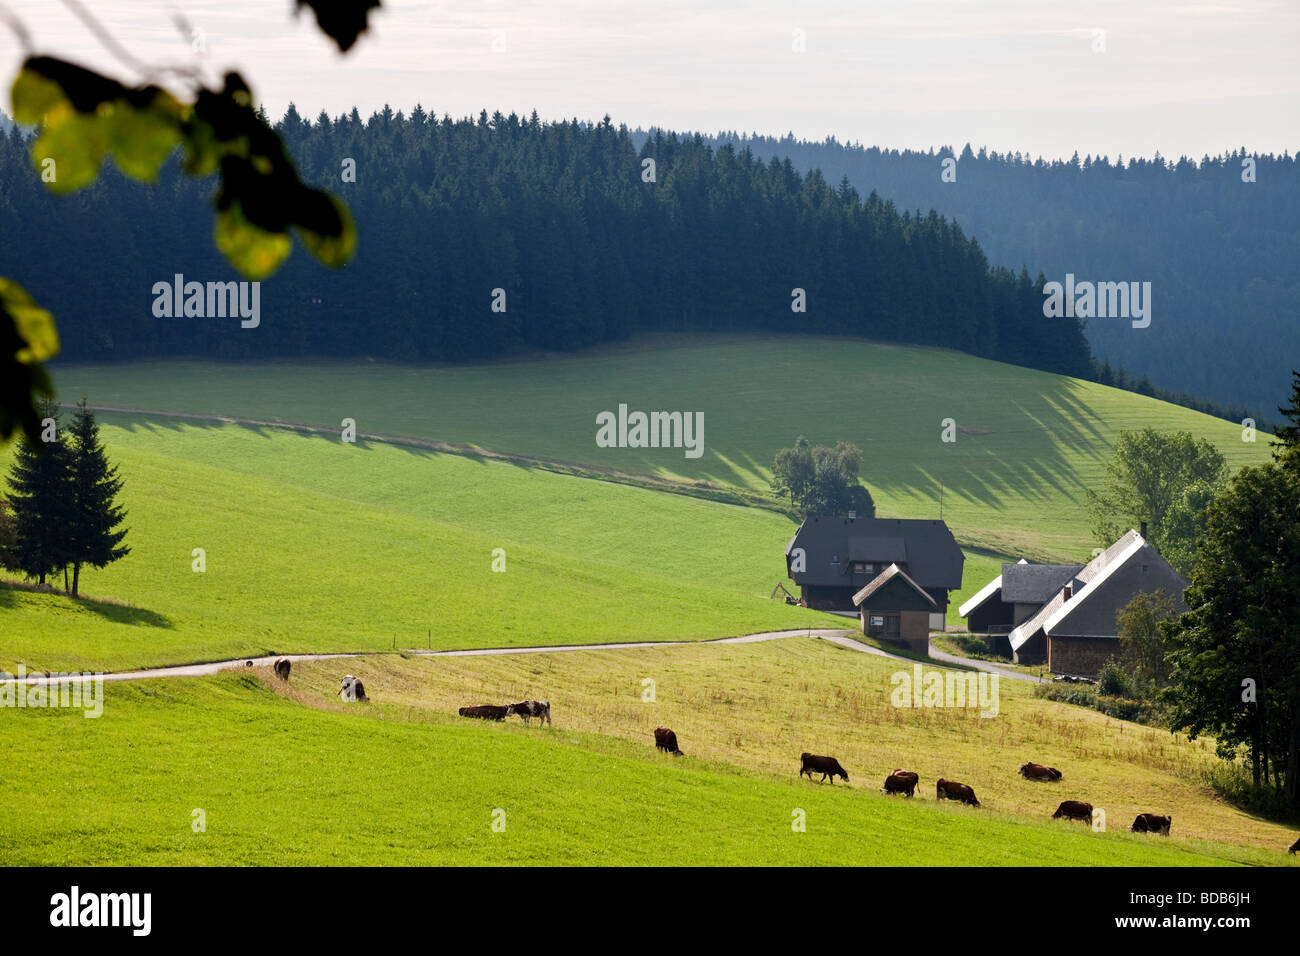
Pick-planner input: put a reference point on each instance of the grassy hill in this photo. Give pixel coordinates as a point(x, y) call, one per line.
point(756, 707)
point(1029, 443)
point(280, 783)
point(312, 544)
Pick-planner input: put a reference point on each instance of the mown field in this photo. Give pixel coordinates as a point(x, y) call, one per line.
point(315, 545)
point(282, 783)
point(758, 706)
point(1029, 443)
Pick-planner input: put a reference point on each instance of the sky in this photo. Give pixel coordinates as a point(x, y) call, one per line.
point(1043, 77)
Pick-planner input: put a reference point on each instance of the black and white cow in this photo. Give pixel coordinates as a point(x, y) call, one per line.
point(528, 709)
point(352, 689)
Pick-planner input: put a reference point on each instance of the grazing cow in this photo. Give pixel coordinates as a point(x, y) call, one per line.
point(1074, 810)
point(828, 767)
point(1294, 847)
point(901, 781)
point(281, 667)
point(952, 790)
point(352, 689)
point(541, 709)
point(1151, 823)
point(665, 739)
point(1036, 771)
point(486, 712)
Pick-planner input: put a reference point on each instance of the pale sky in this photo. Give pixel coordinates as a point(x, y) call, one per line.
point(1046, 77)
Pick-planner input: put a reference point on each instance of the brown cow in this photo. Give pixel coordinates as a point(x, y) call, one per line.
point(1036, 771)
point(486, 712)
point(1294, 847)
point(828, 767)
point(1151, 823)
point(952, 790)
point(281, 668)
point(901, 781)
point(665, 739)
point(1074, 810)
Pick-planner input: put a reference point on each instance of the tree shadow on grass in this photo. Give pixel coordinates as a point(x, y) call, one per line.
point(107, 608)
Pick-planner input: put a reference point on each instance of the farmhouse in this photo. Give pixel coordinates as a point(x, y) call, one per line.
point(1065, 615)
point(1014, 596)
point(896, 608)
point(834, 559)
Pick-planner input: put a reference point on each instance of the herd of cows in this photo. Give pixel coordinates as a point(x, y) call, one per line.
point(905, 781)
point(898, 782)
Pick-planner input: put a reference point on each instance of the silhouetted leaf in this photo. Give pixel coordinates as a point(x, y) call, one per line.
point(342, 20)
point(27, 337)
point(333, 238)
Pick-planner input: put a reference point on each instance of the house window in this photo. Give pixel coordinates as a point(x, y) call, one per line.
point(863, 567)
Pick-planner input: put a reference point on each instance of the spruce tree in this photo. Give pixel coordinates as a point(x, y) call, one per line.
point(39, 483)
point(1287, 446)
point(94, 535)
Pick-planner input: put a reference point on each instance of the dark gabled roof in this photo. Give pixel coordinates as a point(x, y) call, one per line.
point(1101, 588)
point(883, 578)
point(926, 546)
point(1035, 583)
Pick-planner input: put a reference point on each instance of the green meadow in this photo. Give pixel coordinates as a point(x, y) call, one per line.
point(278, 783)
point(1028, 443)
point(312, 544)
point(315, 545)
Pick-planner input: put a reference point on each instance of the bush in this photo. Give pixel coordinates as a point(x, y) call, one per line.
point(1121, 708)
point(1232, 780)
point(1114, 681)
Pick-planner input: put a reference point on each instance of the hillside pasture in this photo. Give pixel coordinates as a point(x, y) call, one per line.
point(311, 544)
point(229, 771)
point(755, 707)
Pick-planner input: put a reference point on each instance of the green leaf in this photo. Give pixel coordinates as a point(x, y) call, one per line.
point(77, 145)
point(33, 325)
point(253, 251)
point(141, 139)
point(33, 95)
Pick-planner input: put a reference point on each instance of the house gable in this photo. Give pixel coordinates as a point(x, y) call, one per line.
point(894, 591)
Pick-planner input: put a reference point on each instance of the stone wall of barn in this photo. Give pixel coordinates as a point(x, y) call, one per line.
point(1080, 656)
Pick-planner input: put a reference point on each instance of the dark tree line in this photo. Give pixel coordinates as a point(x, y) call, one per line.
point(558, 215)
point(61, 513)
point(1220, 253)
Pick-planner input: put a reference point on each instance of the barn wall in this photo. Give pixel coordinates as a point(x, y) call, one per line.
point(828, 599)
point(992, 613)
point(1079, 656)
point(1033, 651)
